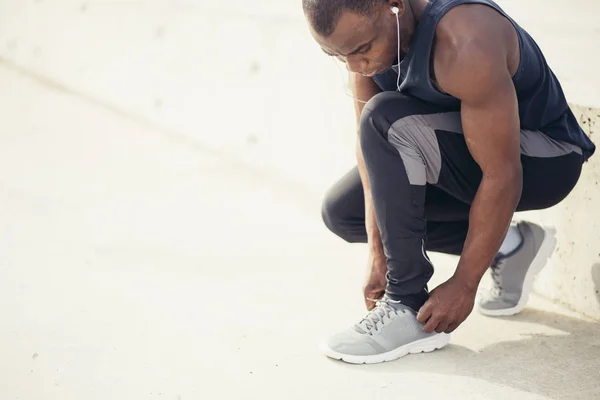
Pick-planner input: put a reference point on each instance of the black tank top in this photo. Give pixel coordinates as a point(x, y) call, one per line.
point(542, 103)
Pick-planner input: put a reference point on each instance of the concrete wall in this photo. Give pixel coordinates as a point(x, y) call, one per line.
point(572, 276)
point(249, 83)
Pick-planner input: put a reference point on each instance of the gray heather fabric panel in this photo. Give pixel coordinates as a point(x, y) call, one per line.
point(418, 147)
point(536, 144)
point(414, 137)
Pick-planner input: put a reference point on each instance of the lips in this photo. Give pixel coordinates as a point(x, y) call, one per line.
point(369, 74)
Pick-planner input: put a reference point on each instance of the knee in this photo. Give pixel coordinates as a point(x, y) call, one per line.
point(380, 113)
point(376, 113)
point(382, 103)
point(336, 219)
point(402, 124)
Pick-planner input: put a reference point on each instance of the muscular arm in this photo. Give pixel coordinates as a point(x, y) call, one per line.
point(478, 74)
point(473, 64)
point(364, 88)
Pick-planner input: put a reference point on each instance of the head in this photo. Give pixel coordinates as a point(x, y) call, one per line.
point(361, 33)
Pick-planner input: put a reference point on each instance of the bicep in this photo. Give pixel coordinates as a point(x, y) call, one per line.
point(480, 78)
point(492, 128)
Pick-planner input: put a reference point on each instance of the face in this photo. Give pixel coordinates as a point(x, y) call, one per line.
point(368, 45)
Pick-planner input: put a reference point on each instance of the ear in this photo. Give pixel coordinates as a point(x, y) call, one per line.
point(397, 4)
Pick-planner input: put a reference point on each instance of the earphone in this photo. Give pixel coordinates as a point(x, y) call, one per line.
point(395, 11)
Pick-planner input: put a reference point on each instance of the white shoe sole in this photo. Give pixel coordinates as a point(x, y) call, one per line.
point(538, 263)
point(426, 345)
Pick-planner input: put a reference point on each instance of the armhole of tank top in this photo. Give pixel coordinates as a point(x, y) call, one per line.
point(446, 8)
point(521, 64)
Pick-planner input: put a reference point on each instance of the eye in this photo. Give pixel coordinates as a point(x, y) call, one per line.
point(365, 50)
point(326, 52)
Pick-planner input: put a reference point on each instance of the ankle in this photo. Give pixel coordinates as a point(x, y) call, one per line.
point(512, 242)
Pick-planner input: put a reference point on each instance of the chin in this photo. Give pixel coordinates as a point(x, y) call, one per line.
point(385, 69)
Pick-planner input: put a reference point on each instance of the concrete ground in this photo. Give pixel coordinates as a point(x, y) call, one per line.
point(135, 265)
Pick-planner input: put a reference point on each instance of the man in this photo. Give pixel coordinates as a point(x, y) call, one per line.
point(469, 128)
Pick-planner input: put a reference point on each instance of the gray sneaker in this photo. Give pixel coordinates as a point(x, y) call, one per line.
point(513, 275)
point(388, 332)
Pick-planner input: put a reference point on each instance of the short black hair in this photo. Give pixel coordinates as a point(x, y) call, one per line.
point(324, 14)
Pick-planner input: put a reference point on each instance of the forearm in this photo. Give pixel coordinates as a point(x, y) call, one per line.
point(364, 89)
point(489, 220)
point(373, 235)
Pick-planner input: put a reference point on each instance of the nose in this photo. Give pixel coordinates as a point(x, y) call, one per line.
point(356, 65)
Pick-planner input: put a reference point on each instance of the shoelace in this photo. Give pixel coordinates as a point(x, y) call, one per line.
point(496, 269)
point(382, 309)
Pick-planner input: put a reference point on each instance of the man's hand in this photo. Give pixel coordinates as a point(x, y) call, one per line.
point(448, 306)
point(376, 280)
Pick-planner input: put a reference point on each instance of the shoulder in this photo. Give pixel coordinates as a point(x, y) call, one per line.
point(474, 44)
point(474, 24)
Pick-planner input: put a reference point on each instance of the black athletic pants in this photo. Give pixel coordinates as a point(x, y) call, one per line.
point(423, 180)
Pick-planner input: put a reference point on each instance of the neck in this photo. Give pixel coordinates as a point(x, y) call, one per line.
point(409, 21)
point(417, 7)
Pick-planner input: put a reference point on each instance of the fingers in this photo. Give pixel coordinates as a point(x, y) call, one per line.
point(442, 327)
point(431, 325)
point(425, 317)
point(439, 325)
point(370, 304)
point(429, 317)
point(425, 312)
point(374, 294)
point(451, 328)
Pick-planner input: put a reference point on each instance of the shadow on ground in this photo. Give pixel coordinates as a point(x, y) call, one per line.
point(564, 366)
